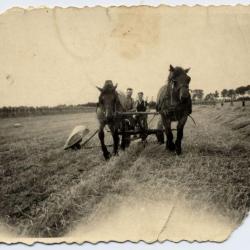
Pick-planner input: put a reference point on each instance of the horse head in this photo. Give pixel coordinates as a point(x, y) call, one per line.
point(108, 100)
point(179, 83)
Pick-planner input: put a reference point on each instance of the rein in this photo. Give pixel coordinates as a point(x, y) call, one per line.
point(193, 120)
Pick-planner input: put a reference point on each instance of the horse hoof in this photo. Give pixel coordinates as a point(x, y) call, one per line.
point(178, 150)
point(107, 156)
point(171, 146)
point(160, 138)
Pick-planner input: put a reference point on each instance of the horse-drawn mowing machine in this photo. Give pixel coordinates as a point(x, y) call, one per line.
point(173, 103)
point(81, 136)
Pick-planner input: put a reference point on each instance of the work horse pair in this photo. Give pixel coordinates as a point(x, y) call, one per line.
point(173, 104)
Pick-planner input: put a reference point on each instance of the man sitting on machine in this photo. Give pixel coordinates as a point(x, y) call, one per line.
point(141, 119)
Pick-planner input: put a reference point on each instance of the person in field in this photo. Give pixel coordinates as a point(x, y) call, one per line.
point(130, 103)
point(141, 119)
point(130, 107)
point(141, 106)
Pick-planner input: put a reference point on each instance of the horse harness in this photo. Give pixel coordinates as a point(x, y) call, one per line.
point(170, 109)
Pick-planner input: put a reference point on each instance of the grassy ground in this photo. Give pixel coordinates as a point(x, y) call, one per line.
point(46, 190)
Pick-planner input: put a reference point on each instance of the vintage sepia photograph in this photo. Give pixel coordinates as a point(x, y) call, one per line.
point(124, 123)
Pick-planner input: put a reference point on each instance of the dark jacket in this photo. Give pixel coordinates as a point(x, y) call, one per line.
point(141, 106)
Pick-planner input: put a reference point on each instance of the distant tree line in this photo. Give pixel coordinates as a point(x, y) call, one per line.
point(45, 110)
point(238, 94)
point(241, 93)
point(21, 111)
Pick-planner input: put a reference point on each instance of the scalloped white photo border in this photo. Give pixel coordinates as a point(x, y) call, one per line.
point(240, 239)
point(6, 4)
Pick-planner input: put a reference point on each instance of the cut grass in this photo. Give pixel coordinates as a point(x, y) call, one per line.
point(45, 190)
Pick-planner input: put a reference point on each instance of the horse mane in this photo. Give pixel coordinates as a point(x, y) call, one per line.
point(108, 87)
point(161, 96)
point(122, 99)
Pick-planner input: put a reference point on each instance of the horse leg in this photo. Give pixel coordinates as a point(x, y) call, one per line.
point(169, 143)
point(180, 127)
point(116, 140)
point(125, 137)
point(127, 140)
point(159, 133)
point(144, 127)
point(123, 143)
point(105, 151)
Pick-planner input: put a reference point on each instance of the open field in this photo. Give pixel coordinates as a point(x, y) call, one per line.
point(46, 191)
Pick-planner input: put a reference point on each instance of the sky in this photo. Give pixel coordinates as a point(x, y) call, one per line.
point(51, 57)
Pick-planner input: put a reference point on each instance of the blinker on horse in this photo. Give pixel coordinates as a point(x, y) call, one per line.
point(174, 104)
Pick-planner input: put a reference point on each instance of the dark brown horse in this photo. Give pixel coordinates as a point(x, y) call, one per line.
point(174, 104)
point(110, 102)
